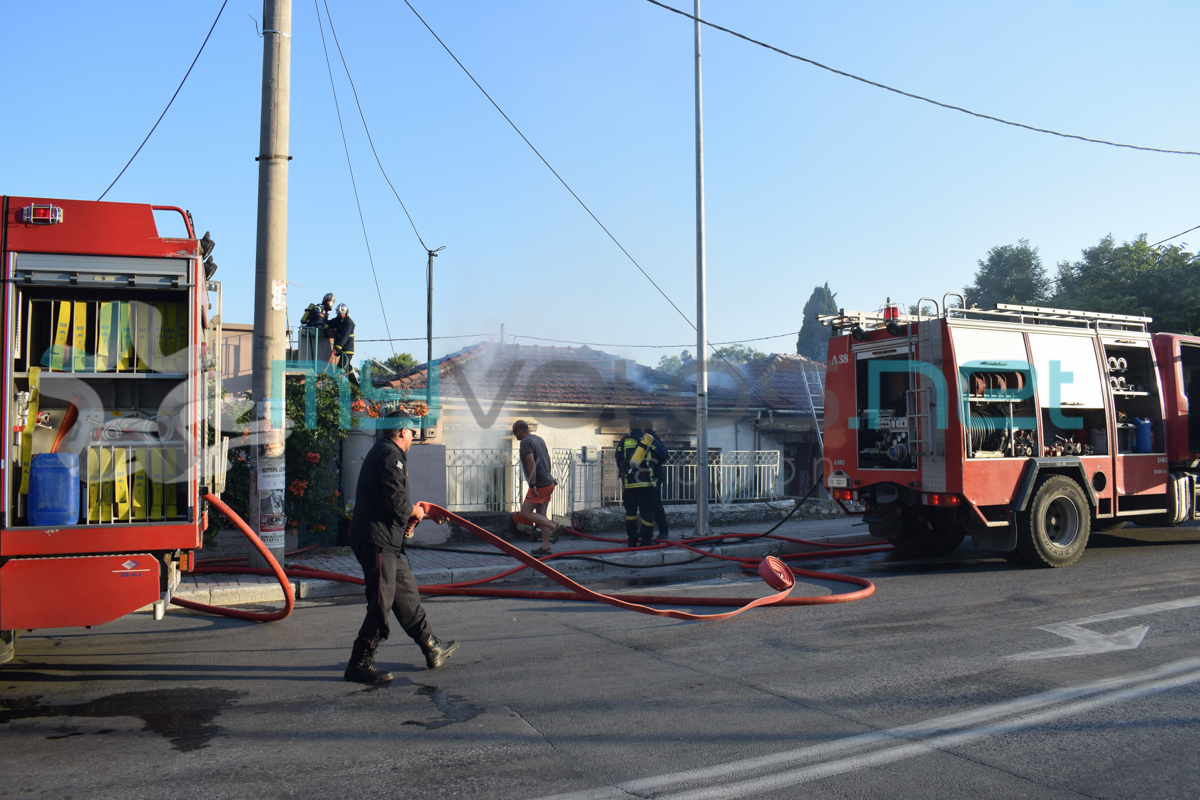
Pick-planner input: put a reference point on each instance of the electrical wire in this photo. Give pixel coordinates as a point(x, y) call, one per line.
point(346, 147)
point(1176, 236)
point(554, 172)
point(368, 130)
point(169, 102)
point(649, 346)
point(912, 96)
point(579, 200)
point(425, 338)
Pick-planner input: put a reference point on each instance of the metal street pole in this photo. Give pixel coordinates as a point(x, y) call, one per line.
point(701, 312)
point(429, 337)
point(270, 280)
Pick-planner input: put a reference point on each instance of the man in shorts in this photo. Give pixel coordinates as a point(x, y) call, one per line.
point(535, 465)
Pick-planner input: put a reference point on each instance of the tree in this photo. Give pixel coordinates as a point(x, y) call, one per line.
point(1011, 274)
point(735, 354)
point(670, 364)
point(1134, 278)
point(813, 341)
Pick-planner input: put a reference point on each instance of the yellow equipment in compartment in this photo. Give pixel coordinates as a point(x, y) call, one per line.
point(108, 336)
point(132, 483)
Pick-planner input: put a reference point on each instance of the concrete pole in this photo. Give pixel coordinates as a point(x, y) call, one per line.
point(270, 279)
point(701, 312)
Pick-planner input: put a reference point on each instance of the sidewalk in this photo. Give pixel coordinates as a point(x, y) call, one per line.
point(438, 566)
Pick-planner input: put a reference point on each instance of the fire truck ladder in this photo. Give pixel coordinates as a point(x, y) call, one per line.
point(1036, 315)
point(928, 441)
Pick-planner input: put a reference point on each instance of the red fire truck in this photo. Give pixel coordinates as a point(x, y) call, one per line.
point(1026, 428)
point(111, 400)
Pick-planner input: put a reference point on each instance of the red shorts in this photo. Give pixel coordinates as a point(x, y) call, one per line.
point(539, 495)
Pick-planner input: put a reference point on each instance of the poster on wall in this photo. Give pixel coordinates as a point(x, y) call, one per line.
point(270, 481)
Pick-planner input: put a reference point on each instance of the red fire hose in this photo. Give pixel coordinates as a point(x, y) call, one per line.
point(777, 575)
point(289, 599)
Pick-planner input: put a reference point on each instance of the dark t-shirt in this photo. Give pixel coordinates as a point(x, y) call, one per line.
point(533, 445)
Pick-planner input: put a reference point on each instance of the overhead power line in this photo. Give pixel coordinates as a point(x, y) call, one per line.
point(547, 163)
point(172, 100)
point(589, 344)
point(650, 346)
point(923, 99)
point(368, 130)
point(554, 172)
point(423, 338)
point(1176, 236)
point(346, 147)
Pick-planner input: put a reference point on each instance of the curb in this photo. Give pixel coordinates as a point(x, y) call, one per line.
point(303, 589)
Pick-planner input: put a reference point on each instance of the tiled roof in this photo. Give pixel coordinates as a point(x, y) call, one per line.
point(555, 375)
point(788, 382)
point(489, 371)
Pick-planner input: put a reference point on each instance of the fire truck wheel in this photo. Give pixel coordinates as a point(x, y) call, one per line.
point(8, 641)
point(1053, 531)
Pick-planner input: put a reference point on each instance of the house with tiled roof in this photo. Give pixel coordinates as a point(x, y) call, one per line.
point(582, 395)
point(791, 389)
point(580, 400)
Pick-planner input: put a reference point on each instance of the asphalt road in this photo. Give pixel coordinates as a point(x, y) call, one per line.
point(939, 685)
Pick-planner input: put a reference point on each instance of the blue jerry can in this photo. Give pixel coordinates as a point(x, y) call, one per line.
point(54, 489)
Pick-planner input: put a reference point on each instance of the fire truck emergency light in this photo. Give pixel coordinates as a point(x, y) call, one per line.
point(41, 214)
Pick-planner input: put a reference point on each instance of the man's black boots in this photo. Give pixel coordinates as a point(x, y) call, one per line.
point(436, 651)
point(361, 668)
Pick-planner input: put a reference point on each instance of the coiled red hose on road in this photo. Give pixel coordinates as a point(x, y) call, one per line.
point(772, 570)
point(289, 598)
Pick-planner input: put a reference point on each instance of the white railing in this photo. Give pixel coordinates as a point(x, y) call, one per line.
point(490, 480)
point(482, 480)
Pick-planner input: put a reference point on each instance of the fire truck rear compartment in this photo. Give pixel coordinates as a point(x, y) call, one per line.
point(883, 424)
point(121, 358)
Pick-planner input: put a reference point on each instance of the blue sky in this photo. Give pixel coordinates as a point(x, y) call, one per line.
point(810, 177)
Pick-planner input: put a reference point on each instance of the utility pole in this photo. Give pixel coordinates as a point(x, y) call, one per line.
point(429, 338)
point(270, 280)
point(701, 311)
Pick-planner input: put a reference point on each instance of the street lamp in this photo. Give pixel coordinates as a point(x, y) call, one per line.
point(429, 338)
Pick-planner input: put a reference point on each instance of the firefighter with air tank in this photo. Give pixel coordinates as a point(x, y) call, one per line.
point(636, 455)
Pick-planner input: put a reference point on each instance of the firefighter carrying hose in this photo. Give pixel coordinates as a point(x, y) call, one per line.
point(340, 333)
point(637, 453)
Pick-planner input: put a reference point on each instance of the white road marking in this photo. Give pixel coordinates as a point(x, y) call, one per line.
point(737, 779)
point(1089, 642)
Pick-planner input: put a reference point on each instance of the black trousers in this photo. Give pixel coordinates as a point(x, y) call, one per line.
point(639, 512)
point(660, 513)
point(390, 586)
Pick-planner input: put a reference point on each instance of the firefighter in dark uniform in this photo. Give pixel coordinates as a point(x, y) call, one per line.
point(315, 316)
point(658, 466)
point(312, 324)
point(635, 455)
point(340, 333)
point(384, 516)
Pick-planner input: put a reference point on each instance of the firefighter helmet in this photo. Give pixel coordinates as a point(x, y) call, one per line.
point(328, 299)
point(343, 309)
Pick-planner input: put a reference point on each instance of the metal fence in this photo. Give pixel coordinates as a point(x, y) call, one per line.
point(490, 480)
point(482, 480)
